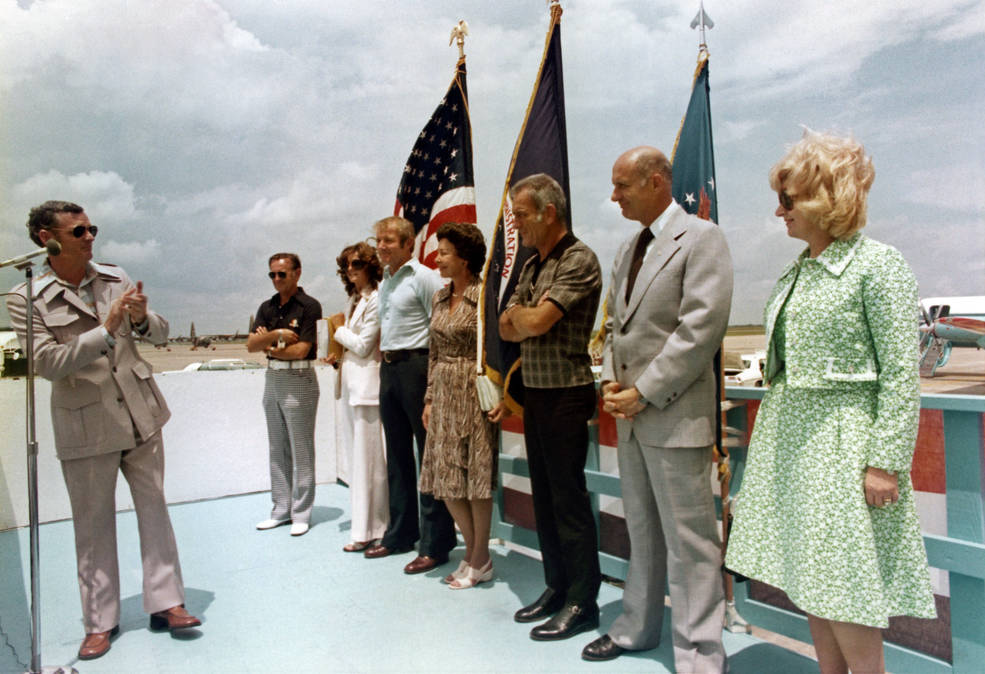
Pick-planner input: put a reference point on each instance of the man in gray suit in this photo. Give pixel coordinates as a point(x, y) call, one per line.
point(668, 308)
point(107, 414)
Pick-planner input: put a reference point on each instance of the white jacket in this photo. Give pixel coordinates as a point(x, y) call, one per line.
point(360, 335)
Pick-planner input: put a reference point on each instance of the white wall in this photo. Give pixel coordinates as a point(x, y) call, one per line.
point(215, 444)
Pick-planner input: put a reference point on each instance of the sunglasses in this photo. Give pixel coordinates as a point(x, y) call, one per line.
point(786, 201)
point(80, 230)
point(277, 274)
point(357, 264)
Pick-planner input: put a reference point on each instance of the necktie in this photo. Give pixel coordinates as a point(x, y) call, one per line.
point(634, 268)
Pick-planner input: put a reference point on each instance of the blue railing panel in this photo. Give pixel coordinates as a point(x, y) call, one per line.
point(961, 552)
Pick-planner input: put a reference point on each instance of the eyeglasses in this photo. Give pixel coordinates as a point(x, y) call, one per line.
point(277, 274)
point(357, 264)
point(786, 201)
point(80, 230)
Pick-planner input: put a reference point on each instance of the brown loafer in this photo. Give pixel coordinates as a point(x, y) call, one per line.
point(423, 563)
point(174, 618)
point(96, 645)
point(377, 551)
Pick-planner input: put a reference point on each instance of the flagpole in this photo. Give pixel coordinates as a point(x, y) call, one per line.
point(458, 34)
point(733, 621)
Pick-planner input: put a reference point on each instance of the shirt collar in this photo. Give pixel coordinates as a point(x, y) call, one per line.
point(562, 245)
point(838, 254)
point(411, 264)
point(658, 225)
point(275, 299)
point(93, 269)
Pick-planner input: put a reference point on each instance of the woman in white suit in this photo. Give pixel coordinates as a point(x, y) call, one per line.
point(358, 407)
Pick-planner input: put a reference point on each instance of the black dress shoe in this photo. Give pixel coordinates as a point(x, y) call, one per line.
point(603, 648)
point(549, 603)
point(571, 620)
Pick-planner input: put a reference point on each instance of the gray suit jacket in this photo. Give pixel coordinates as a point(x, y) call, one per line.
point(99, 394)
point(664, 339)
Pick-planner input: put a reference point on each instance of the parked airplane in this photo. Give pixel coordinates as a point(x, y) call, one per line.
point(949, 322)
point(197, 341)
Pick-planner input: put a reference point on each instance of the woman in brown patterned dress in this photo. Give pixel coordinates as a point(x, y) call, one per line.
point(460, 456)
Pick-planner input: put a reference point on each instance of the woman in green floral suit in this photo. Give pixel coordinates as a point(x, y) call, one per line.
point(826, 511)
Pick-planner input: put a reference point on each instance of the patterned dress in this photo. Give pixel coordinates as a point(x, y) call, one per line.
point(844, 395)
point(460, 456)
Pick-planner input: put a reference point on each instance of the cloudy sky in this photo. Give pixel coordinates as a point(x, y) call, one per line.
point(202, 135)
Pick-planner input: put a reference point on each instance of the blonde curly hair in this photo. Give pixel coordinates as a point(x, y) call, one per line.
point(829, 178)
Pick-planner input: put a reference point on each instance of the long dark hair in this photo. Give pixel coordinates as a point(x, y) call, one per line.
point(366, 253)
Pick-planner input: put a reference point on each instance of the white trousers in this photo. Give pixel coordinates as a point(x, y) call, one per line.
point(359, 435)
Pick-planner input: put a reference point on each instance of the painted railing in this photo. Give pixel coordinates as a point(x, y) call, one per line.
point(961, 553)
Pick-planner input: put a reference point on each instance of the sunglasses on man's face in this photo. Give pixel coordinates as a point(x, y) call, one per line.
point(80, 230)
point(277, 274)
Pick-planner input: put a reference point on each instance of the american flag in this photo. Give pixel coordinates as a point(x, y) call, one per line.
point(438, 184)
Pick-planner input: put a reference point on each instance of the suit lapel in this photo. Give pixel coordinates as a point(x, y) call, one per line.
point(70, 296)
point(358, 311)
point(664, 246)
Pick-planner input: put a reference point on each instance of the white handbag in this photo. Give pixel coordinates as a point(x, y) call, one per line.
point(490, 393)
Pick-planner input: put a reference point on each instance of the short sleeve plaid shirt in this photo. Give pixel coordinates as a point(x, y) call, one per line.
point(571, 278)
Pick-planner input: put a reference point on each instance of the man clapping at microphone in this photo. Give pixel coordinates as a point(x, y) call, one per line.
point(107, 414)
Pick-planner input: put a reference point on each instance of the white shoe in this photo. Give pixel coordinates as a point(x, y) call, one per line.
point(271, 523)
point(473, 577)
point(299, 528)
point(460, 572)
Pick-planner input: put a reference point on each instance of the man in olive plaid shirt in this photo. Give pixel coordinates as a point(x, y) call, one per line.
point(551, 314)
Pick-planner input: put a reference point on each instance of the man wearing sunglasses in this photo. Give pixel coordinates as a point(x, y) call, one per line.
point(107, 414)
point(285, 328)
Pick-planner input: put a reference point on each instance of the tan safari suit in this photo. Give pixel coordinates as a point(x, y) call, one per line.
point(107, 414)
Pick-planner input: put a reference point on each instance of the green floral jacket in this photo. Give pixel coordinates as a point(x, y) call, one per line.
point(854, 326)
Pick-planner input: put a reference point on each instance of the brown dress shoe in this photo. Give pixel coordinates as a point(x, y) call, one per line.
point(96, 645)
point(377, 551)
point(174, 618)
point(423, 563)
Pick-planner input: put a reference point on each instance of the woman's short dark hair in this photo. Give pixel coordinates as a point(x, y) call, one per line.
point(366, 253)
point(468, 242)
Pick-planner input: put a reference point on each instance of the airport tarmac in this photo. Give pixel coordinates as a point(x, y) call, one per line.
point(963, 374)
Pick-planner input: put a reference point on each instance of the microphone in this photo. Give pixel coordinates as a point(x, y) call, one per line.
point(51, 248)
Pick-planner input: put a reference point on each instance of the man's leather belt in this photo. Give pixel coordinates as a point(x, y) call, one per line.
point(275, 364)
point(403, 354)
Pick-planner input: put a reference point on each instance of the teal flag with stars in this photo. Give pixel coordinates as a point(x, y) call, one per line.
point(693, 158)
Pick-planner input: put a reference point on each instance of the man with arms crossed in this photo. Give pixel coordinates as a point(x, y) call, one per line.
point(551, 314)
point(107, 414)
point(405, 321)
point(668, 307)
point(285, 328)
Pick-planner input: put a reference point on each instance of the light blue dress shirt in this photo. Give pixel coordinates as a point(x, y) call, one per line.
point(405, 306)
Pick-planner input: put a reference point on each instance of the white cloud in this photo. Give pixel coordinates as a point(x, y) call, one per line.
point(104, 194)
point(966, 21)
point(132, 252)
point(732, 131)
point(226, 130)
point(960, 187)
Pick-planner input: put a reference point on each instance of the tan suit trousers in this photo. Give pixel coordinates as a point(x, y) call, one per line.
point(91, 483)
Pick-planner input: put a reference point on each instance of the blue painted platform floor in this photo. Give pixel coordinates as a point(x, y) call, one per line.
point(273, 603)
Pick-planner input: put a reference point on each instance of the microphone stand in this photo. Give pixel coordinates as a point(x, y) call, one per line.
point(32, 487)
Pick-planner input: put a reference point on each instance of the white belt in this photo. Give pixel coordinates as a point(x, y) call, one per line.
point(274, 364)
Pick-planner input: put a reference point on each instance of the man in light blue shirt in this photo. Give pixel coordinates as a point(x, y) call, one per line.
point(405, 318)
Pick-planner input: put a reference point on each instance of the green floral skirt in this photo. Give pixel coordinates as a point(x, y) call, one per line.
point(801, 520)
